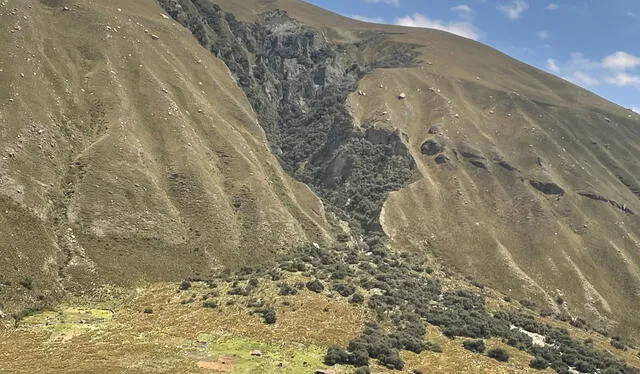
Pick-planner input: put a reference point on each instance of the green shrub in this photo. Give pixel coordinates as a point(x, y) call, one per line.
point(336, 355)
point(209, 304)
point(344, 289)
point(498, 354)
point(185, 285)
point(287, 290)
point(315, 286)
point(539, 363)
point(617, 344)
point(356, 298)
point(268, 315)
point(474, 345)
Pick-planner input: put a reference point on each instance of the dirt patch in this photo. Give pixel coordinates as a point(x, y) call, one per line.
point(223, 364)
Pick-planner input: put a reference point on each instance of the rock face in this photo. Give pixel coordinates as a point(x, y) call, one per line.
point(298, 85)
point(431, 148)
point(547, 188)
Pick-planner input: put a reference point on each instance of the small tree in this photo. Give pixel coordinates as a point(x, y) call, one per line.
point(498, 354)
point(185, 285)
point(315, 286)
point(336, 355)
point(474, 345)
point(539, 363)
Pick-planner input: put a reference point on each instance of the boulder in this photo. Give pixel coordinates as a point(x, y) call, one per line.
point(431, 148)
point(547, 188)
point(442, 159)
point(402, 96)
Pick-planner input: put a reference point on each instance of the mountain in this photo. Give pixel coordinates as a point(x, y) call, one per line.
point(280, 159)
point(518, 178)
point(127, 160)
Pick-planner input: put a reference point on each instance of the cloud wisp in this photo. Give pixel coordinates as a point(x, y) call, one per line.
point(514, 10)
point(617, 69)
point(462, 28)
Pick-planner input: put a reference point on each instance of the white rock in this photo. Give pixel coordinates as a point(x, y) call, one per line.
point(402, 95)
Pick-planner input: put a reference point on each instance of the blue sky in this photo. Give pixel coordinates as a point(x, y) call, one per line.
point(593, 43)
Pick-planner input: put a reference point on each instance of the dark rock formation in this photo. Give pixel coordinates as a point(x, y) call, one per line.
point(507, 166)
point(547, 188)
point(431, 148)
point(298, 83)
point(479, 164)
point(615, 204)
point(442, 159)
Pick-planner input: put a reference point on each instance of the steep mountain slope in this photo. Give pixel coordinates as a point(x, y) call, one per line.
point(129, 154)
point(150, 217)
point(526, 182)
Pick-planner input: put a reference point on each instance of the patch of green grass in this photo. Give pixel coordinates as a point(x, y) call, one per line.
point(276, 357)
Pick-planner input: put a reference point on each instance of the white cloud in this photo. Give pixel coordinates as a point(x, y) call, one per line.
point(464, 28)
point(582, 79)
point(388, 2)
point(624, 79)
point(630, 13)
point(368, 19)
point(637, 110)
point(543, 34)
point(552, 65)
point(621, 61)
point(514, 10)
point(551, 6)
point(464, 11)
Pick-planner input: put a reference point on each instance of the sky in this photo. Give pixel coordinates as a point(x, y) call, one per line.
point(592, 43)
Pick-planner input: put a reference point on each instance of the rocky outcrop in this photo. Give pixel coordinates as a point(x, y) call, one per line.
point(431, 147)
point(298, 83)
point(547, 188)
point(615, 204)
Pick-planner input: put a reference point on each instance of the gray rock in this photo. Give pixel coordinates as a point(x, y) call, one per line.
point(431, 148)
point(547, 188)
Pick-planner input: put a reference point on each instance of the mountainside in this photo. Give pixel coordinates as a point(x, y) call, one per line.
point(128, 159)
point(518, 179)
point(183, 182)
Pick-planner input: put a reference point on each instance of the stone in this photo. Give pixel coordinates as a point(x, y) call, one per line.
point(256, 353)
point(547, 188)
point(442, 159)
point(402, 96)
point(431, 148)
point(479, 164)
point(155, 37)
point(433, 130)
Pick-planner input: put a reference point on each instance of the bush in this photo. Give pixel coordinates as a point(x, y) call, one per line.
point(27, 283)
point(287, 290)
point(474, 345)
point(617, 344)
point(268, 314)
point(356, 298)
point(336, 355)
point(344, 289)
point(498, 354)
point(185, 285)
point(538, 363)
point(210, 304)
point(362, 370)
point(315, 286)
point(148, 311)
